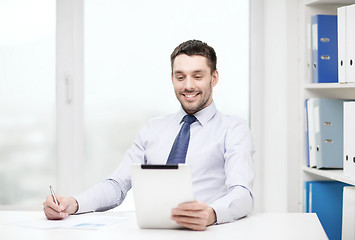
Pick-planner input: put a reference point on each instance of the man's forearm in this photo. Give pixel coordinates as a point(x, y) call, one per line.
point(102, 196)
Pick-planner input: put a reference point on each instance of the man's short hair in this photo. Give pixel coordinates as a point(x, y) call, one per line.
point(195, 47)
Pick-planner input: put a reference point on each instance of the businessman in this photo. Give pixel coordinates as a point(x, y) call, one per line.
point(219, 150)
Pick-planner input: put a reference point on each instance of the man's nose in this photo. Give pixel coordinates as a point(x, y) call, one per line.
point(189, 83)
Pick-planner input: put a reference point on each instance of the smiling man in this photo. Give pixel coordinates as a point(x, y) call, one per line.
point(219, 152)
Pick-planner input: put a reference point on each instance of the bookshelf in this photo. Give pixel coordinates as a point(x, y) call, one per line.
point(346, 91)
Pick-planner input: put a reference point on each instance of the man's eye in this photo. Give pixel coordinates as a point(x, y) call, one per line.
point(198, 77)
point(180, 77)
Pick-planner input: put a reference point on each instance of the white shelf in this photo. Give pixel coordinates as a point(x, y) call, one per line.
point(331, 90)
point(330, 174)
point(330, 86)
point(322, 2)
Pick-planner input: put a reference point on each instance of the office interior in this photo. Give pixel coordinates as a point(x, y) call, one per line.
point(269, 39)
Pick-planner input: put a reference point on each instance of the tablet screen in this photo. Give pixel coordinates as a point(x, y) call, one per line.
point(157, 189)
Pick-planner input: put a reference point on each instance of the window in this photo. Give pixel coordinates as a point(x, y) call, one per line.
point(27, 101)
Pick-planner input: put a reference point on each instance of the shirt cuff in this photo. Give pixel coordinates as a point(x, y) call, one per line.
point(84, 204)
point(236, 204)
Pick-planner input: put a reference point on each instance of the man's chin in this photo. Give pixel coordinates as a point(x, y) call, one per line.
point(190, 108)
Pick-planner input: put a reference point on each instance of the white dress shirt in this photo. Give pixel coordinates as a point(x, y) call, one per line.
point(219, 155)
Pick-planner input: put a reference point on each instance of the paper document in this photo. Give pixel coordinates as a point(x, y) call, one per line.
point(72, 222)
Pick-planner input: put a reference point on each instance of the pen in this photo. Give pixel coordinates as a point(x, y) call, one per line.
point(53, 195)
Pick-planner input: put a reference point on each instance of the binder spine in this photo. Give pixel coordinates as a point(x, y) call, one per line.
point(325, 48)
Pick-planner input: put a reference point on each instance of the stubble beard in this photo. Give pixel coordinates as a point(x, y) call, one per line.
point(192, 108)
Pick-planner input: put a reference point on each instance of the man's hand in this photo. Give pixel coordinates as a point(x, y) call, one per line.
point(194, 215)
point(66, 207)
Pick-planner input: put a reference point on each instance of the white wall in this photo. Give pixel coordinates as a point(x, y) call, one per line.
point(274, 113)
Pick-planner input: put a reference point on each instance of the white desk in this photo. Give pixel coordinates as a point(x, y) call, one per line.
point(257, 226)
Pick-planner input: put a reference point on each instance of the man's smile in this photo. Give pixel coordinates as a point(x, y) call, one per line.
point(190, 96)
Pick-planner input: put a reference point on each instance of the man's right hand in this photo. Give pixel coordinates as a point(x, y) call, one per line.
point(67, 206)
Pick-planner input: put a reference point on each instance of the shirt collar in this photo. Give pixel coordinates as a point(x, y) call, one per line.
point(203, 116)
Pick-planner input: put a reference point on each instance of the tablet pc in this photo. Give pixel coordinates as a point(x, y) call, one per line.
point(157, 189)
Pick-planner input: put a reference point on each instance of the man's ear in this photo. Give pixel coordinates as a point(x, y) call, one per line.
point(215, 78)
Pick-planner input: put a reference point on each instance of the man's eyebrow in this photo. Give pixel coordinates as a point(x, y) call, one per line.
point(181, 72)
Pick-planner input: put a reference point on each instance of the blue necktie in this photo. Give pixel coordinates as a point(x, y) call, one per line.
point(181, 143)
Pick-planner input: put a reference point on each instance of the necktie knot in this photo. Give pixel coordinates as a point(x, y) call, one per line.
point(189, 119)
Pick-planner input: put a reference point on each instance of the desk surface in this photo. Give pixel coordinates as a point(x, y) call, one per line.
point(256, 226)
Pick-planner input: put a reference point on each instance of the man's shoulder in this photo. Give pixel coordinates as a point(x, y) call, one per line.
point(230, 120)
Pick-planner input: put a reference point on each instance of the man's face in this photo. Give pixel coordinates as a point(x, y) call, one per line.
point(193, 82)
